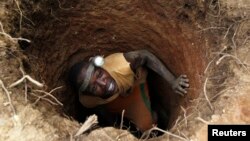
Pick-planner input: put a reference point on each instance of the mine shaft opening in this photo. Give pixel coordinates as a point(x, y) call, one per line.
point(64, 37)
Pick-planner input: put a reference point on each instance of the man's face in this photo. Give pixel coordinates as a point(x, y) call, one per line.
point(101, 84)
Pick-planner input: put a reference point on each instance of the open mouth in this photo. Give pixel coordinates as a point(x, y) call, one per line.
point(110, 88)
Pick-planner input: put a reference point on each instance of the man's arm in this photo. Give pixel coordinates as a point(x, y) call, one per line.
point(145, 58)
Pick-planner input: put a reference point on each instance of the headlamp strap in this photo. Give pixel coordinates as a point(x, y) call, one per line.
point(86, 81)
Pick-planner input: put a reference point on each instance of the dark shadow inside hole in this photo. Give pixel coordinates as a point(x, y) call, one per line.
point(103, 121)
point(23, 44)
point(159, 99)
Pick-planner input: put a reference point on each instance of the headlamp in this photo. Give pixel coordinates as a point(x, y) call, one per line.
point(98, 61)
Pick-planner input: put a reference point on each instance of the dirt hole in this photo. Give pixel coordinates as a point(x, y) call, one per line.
point(65, 33)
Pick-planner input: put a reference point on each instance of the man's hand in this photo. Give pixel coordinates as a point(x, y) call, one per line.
point(180, 85)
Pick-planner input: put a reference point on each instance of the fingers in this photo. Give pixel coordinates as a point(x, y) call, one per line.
point(179, 93)
point(184, 81)
point(184, 84)
point(180, 89)
point(184, 78)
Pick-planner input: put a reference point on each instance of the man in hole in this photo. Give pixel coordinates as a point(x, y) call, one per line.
point(118, 82)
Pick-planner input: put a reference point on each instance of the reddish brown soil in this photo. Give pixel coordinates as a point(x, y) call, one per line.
point(75, 30)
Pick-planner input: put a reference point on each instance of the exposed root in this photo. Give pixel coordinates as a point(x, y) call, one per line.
point(25, 85)
point(88, 124)
point(205, 93)
point(245, 40)
point(55, 89)
point(8, 96)
point(209, 64)
point(227, 31)
point(234, 57)
point(121, 124)
point(180, 123)
point(183, 135)
point(33, 81)
point(147, 134)
point(21, 14)
point(185, 115)
point(176, 122)
point(50, 95)
point(212, 7)
point(43, 97)
point(233, 38)
point(214, 27)
point(202, 120)
point(60, 6)
point(11, 38)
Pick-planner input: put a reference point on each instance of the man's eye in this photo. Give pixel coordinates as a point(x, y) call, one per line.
point(99, 74)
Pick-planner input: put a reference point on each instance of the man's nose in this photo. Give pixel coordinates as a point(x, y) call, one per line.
point(100, 82)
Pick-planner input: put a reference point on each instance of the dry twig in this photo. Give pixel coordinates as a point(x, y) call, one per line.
point(88, 124)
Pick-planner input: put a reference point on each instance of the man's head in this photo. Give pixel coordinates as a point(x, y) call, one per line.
point(89, 79)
